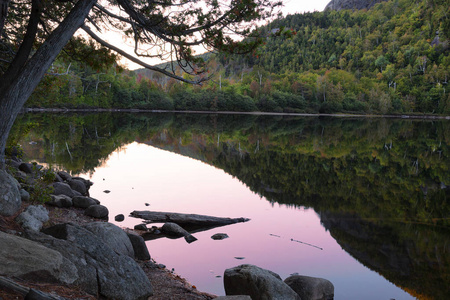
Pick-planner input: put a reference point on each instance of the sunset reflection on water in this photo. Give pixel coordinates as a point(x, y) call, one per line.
point(283, 239)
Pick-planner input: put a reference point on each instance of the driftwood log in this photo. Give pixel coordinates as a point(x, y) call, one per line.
point(185, 219)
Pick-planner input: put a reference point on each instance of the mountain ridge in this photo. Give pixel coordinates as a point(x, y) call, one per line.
point(351, 4)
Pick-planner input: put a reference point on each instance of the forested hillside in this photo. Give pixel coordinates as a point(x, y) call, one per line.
point(390, 59)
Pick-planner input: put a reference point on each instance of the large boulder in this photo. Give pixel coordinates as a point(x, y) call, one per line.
point(87, 183)
point(256, 282)
point(79, 186)
point(60, 201)
point(33, 217)
point(83, 202)
point(97, 211)
point(311, 288)
point(102, 271)
point(112, 236)
point(64, 175)
point(10, 200)
point(61, 188)
point(26, 259)
point(139, 247)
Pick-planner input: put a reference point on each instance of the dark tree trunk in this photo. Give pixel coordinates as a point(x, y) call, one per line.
point(3, 13)
point(14, 95)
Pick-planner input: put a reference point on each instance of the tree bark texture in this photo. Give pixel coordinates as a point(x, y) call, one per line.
point(3, 13)
point(14, 95)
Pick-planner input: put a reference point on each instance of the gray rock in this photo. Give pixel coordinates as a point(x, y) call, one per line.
point(119, 218)
point(24, 195)
point(78, 185)
point(64, 175)
point(10, 200)
point(190, 238)
point(112, 236)
point(33, 217)
point(236, 297)
point(26, 167)
point(256, 282)
point(142, 227)
point(13, 163)
point(102, 271)
point(175, 230)
point(61, 188)
point(26, 259)
point(83, 202)
point(139, 246)
point(220, 236)
point(311, 287)
point(60, 201)
point(87, 183)
point(97, 211)
point(58, 178)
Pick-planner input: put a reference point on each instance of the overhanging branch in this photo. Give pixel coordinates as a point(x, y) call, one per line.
point(136, 60)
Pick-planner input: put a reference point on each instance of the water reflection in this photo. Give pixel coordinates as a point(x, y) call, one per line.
point(379, 186)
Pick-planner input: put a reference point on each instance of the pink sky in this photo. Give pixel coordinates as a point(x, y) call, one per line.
point(290, 7)
point(300, 6)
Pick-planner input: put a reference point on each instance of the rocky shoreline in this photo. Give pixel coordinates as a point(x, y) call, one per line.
point(134, 110)
point(64, 248)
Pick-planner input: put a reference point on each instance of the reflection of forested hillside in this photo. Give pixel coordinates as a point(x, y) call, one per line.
point(380, 185)
point(412, 256)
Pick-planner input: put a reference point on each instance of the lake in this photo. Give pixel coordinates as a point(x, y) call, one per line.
point(360, 202)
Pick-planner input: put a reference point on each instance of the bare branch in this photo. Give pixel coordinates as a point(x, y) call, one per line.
point(136, 60)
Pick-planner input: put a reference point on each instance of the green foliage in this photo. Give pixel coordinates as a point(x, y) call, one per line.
point(385, 60)
point(41, 190)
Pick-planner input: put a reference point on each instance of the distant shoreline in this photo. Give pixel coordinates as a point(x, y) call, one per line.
point(132, 110)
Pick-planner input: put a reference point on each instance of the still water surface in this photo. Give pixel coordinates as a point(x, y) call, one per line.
point(362, 203)
point(140, 174)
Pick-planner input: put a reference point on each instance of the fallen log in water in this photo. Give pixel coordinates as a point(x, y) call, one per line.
point(185, 219)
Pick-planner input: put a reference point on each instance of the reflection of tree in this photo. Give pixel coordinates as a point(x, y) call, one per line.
point(389, 175)
point(80, 143)
point(412, 256)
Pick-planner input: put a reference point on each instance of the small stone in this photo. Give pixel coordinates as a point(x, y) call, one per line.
point(190, 238)
point(119, 218)
point(146, 204)
point(161, 266)
point(140, 227)
point(220, 236)
point(239, 257)
point(107, 191)
point(24, 195)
